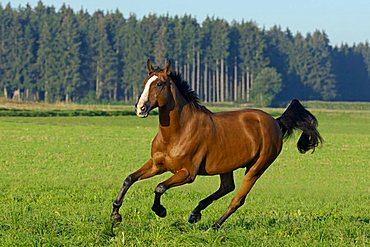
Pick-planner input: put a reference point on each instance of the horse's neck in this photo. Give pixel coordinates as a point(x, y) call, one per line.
point(173, 117)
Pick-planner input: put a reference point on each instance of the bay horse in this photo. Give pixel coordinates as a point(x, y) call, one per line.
point(192, 141)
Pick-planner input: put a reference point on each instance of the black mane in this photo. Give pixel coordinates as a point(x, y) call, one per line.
point(187, 92)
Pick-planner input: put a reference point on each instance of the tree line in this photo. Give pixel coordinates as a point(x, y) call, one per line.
point(73, 56)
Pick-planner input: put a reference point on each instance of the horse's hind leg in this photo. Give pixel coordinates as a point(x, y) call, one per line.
point(227, 185)
point(146, 171)
point(249, 180)
point(181, 177)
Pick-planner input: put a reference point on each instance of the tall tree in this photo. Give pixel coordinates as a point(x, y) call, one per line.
point(352, 76)
point(46, 64)
point(207, 58)
point(6, 22)
point(68, 41)
point(364, 50)
point(279, 51)
point(117, 40)
point(162, 41)
point(28, 56)
point(106, 59)
point(149, 26)
point(312, 63)
point(134, 54)
point(12, 48)
point(190, 40)
point(233, 61)
point(220, 46)
point(251, 49)
point(87, 84)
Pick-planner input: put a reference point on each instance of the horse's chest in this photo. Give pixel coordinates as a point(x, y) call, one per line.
point(172, 156)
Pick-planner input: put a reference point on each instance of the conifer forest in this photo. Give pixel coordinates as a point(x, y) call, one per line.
point(67, 55)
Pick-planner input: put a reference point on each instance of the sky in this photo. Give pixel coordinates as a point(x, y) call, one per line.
point(344, 21)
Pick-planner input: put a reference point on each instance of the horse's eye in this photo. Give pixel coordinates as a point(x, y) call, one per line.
point(159, 83)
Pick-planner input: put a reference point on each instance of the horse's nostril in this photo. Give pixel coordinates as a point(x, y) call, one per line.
point(142, 108)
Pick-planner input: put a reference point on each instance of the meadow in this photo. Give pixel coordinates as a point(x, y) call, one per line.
point(59, 176)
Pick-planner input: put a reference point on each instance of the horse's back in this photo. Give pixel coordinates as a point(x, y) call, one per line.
point(250, 121)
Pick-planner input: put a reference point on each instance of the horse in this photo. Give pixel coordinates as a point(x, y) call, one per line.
point(192, 141)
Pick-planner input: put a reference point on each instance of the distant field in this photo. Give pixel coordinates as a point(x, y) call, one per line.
point(34, 109)
point(29, 109)
point(338, 105)
point(58, 177)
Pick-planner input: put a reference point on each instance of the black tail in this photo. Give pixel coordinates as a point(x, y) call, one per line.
point(297, 117)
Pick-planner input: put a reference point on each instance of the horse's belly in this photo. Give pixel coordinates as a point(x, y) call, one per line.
point(229, 158)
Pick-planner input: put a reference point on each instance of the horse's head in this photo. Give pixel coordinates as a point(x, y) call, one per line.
point(156, 88)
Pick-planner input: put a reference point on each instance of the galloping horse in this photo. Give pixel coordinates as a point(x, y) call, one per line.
point(192, 141)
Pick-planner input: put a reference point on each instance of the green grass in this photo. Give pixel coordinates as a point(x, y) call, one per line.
point(338, 105)
point(58, 177)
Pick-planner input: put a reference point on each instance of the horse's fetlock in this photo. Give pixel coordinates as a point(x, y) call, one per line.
point(117, 204)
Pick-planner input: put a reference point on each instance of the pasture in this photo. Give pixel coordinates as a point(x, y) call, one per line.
point(59, 176)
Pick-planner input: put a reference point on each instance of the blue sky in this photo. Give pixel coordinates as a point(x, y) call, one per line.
point(343, 20)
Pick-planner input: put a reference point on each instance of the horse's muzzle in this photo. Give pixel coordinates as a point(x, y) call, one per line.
point(142, 112)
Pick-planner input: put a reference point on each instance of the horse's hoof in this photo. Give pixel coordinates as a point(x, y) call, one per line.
point(116, 218)
point(160, 211)
point(194, 218)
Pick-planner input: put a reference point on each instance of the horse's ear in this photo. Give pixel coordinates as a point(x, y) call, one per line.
point(149, 66)
point(167, 69)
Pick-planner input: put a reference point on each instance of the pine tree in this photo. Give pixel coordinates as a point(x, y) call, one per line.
point(233, 61)
point(279, 48)
point(117, 26)
point(364, 50)
point(190, 45)
point(162, 42)
point(220, 47)
point(5, 43)
point(86, 87)
point(207, 58)
point(105, 59)
point(28, 56)
point(149, 27)
point(134, 55)
point(68, 41)
point(12, 44)
point(45, 63)
point(252, 58)
point(312, 62)
point(351, 71)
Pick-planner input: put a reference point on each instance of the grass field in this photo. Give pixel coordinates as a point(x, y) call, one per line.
point(58, 177)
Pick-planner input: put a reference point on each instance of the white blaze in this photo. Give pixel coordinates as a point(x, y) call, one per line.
point(145, 95)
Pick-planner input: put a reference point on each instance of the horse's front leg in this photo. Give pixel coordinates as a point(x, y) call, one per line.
point(146, 171)
point(181, 177)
